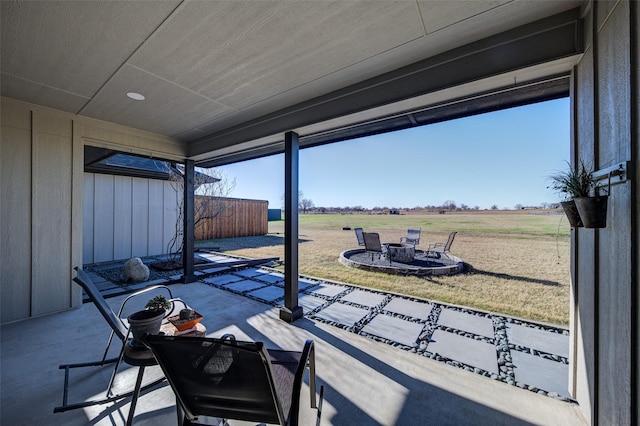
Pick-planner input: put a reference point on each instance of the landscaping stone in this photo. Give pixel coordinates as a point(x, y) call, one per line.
point(134, 271)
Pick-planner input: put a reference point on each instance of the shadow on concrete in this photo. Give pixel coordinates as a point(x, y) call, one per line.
point(444, 408)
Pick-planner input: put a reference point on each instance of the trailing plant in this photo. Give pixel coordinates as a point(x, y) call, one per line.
point(574, 183)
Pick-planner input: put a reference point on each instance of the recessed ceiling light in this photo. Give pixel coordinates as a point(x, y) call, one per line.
point(135, 96)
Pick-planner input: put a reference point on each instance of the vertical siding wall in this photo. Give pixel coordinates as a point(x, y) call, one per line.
point(37, 155)
point(238, 218)
point(605, 294)
point(126, 217)
point(42, 202)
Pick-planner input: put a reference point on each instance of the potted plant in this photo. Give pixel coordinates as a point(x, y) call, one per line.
point(581, 208)
point(148, 320)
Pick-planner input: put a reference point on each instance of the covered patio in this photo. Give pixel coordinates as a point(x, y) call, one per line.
point(212, 83)
point(366, 382)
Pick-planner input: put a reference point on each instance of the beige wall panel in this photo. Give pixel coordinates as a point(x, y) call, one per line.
point(51, 217)
point(87, 217)
point(140, 217)
point(156, 217)
point(614, 326)
point(614, 90)
point(15, 114)
point(582, 281)
point(101, 133)
point(103, 218)
point(15, 214)
point(614, 246)
point(122, 217)
point(76, 209)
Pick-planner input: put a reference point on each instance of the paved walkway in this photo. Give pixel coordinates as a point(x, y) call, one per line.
point(524, 354)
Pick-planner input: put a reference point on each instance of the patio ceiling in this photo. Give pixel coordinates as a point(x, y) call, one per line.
point(227, 78)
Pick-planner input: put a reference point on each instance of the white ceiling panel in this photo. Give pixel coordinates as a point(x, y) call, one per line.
point(232, 48)
point(440, 14)
point(74, 46)
point(41, 94)
point(167, 109)
point(205, 66)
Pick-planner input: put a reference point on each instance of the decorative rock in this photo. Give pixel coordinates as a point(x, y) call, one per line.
point(134, 271)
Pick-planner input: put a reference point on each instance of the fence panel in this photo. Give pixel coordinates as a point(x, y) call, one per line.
point(234, 218)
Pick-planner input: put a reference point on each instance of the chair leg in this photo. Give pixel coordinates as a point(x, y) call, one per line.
point(115, 369)
point(134, 397)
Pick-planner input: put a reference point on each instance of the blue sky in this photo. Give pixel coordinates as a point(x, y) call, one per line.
point(500, 158)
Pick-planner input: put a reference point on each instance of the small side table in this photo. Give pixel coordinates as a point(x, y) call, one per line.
point(143, 358)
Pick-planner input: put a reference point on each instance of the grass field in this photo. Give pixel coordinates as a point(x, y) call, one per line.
point(515, 263)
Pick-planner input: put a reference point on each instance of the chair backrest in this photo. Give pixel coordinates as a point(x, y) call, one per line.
point(94, 295)
point(372, 241)
point(219, 378)
point(447, 246)
point(359, 236)
point(413, 236)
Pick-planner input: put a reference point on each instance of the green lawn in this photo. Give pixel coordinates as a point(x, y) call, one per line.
point(516, 263)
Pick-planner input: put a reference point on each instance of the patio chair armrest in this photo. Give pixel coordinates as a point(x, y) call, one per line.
point(141, 292)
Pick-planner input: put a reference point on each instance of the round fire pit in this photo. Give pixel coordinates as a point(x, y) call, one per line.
point(402, 253)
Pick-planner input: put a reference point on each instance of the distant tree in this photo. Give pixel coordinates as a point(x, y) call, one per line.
point(544, 205)
point(211, 185)
point(464, 207)
point(305, 204)
point(449, 205)
point(476, 207)
point(518, 207)
point(494, 207)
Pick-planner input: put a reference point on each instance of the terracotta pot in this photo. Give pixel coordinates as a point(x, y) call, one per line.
point(571, 211)
point(143, 322)
point(593, 211)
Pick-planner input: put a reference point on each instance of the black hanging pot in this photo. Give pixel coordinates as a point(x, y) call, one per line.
point(571, 211)
point(593, 210)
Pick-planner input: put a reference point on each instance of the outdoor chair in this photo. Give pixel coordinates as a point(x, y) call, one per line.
point(413, 237)
point(372, 244)
point(231, 379)
point(119, 328)
point(441, 249)
point(359, 236)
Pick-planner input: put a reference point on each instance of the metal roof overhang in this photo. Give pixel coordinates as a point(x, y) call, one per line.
point(525, 65)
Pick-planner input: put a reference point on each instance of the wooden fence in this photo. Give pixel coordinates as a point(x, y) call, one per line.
point(235, 218)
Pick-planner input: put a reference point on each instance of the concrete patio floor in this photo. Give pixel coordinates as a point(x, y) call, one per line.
point(367, 382)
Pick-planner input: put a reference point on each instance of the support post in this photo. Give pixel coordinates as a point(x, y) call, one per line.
point(291, 311)
point(188, 233)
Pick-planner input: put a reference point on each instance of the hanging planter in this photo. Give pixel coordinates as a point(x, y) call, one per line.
point(575, 183)
point(571, 210)
point(593, 211)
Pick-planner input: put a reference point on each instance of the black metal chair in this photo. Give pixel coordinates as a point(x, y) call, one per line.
point(441, 249)
point(413, 236)
point(359, 236)
point(231, 379)
point(372, 245)
point(119, 329)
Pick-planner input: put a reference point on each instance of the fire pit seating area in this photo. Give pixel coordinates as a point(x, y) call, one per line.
point(403, 257)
